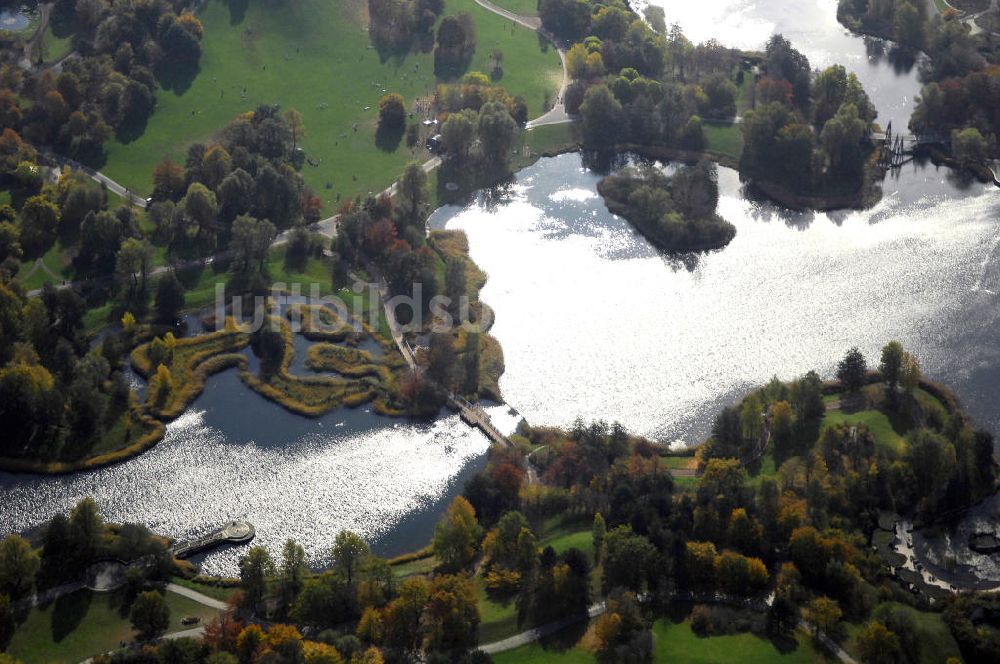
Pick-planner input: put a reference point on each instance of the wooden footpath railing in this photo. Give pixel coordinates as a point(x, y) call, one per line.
point(477, 418)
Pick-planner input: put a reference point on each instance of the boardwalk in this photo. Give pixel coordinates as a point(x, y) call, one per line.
point(476, 417)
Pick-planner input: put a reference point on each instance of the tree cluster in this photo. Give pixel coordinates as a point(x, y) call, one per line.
point(125, 48)
point(676, 212)
point(807, 135)
point(58, 396)
point(454, 45)
point(399, 25)
point(241, 189)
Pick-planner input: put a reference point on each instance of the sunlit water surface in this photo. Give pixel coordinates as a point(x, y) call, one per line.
point(233, 455)
point(595, 323)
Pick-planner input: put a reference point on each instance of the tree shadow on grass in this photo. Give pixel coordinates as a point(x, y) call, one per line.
point(565, 638)
point(387, 139)
point(177, 76)
point(784, 643)
point(543, 42)
point(132, 128)
point(68, 612)
point(237, 10)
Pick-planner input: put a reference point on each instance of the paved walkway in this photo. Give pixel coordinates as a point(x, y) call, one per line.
point(326, 227)
point(198, 597)
point(557, 114)
point(194, 632)
point(44, 11)
point(532, 635)
point(827, 642)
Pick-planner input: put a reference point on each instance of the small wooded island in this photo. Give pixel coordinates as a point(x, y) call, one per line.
point(674, 212)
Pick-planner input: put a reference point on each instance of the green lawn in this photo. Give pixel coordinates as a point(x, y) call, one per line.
point(686, 483)
point(84, 624)
point(536, 654)
point(54, 47)
point(315, 55)
point(414, 567)
point(885, 436)
point(496, 620)
point(677, 643)
point(582, 540)
point(519, 7)
point(724, 138)
point(217, 592)
point(679, 462)
point(564, 533)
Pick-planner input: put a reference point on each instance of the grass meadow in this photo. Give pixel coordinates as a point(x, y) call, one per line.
point(315, 56)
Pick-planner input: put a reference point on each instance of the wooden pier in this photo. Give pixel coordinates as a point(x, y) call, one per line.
point(234, 532)
point(476, 417)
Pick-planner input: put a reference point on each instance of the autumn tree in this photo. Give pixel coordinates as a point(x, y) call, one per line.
point(349, 552)
point(824, 613)
point(392, 112)
point(296, 124)
point(19, 564)
point(457, 535)
point(877, 644)
point(133, 262)
point(251, 239)
point(168, 180)
point(450, 618)
point(150, 614)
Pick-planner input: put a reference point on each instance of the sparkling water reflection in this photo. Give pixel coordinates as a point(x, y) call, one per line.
point(603, 326)
point(234, 455)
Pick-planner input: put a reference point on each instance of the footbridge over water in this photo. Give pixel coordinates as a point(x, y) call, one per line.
point(477, 418)
point(897, 149)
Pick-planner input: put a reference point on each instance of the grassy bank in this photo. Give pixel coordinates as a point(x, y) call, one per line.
point(133, 434)
point(724, 139)
point(84, 624)
point(316, 56)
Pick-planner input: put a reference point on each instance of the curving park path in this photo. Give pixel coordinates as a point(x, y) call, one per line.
point(328, 226)
point(557, 114)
